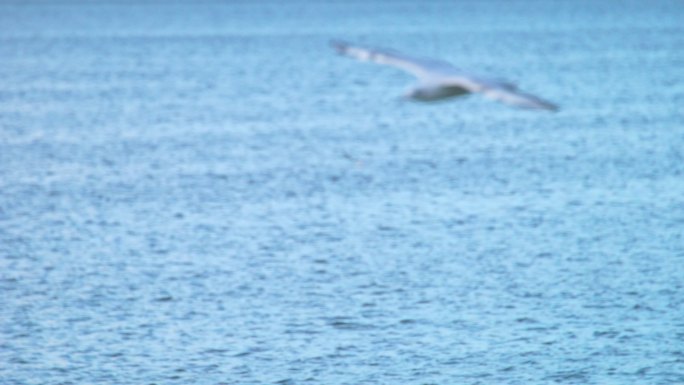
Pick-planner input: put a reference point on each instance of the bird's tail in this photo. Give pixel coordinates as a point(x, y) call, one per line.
point(340, 46)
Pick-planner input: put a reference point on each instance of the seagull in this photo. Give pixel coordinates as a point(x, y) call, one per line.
point(438, 80)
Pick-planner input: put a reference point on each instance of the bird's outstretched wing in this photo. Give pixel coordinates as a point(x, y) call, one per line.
point(498, 90)
point(419, 67)
point(517, 98)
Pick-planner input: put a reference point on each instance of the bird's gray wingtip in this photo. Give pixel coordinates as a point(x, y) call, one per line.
point(552, 107)
point(542, 105)
point(546, 105)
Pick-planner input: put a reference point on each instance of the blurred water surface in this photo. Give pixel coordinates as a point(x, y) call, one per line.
point(207, 194)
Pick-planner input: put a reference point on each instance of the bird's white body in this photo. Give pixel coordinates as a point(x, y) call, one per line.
point(438, 80)
point(433, 92)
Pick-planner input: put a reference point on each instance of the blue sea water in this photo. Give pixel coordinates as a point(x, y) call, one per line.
point(204, 193)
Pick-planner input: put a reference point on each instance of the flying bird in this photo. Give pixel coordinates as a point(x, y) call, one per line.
point(439, 80)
